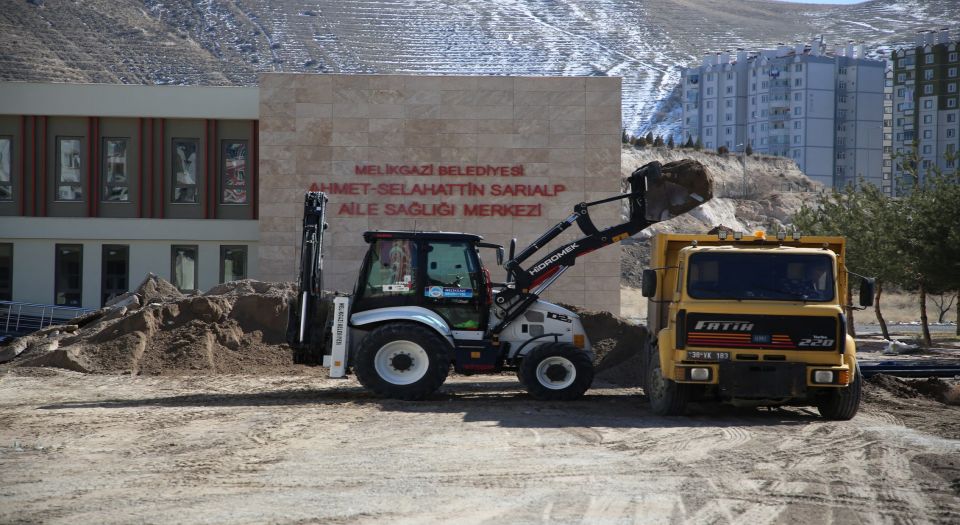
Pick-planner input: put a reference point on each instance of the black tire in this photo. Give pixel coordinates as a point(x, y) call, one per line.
point(520, 376)
point(667, 397)
point(379, 381)
point(566, 359)
point(841, 404)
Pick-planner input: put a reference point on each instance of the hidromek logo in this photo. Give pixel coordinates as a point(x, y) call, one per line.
point(724, 326)
point(554, 258)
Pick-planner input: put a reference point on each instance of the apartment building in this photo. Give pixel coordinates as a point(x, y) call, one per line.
point(824, 110)
point(926, 82)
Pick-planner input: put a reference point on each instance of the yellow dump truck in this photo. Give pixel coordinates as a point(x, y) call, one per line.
point(750, 319)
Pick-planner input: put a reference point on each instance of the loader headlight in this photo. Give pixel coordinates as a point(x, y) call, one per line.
point(823, 376)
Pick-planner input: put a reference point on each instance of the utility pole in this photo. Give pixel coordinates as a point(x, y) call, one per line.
point(743, 162)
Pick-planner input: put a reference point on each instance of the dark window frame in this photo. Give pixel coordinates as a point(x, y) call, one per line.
point(56, 274)
point(105, 175)
point(58, 176)
point(10, 167)
point(6, 294)
point(103, 268)
point(174, 184)
point(246, 258)
point(196, 264)
point(223, 186)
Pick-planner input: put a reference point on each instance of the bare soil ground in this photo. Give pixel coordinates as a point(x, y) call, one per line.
point(78, 448)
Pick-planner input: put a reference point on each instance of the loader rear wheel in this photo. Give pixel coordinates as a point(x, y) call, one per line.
point(841, 404)
point(402, 361)
point(556, 372)
point(667, 397)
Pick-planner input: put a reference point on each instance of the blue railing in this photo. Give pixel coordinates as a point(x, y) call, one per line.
point(23, 318)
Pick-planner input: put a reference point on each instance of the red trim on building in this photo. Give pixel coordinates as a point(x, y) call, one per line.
point(212, 181)
point(140, 167)
point(95, 168)
point(43, 167)
point(206, 169)
point(89, 166)
point(254, 166)
point(163, 185)
point(33, 166)
point(23, 165)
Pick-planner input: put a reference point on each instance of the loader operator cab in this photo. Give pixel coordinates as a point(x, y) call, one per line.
point(440, 271)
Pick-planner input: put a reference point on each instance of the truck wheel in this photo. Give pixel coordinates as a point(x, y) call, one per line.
point(556, 372)
point(520, 377)
point(841, 404)
point(402, 361)
point(667, 397)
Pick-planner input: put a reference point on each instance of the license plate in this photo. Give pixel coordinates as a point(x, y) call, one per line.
point(708, 356)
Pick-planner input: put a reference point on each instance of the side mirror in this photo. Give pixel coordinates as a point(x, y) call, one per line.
point(649, 286)
point(513, 247)
point(867, 291)
point(499, 255)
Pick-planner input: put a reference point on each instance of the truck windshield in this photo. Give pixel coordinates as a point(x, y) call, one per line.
point(764, 276)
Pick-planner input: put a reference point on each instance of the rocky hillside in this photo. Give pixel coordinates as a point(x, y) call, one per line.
point(776, 189)
point(230, 41)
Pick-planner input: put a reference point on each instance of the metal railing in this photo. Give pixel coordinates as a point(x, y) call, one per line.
point(23, 318)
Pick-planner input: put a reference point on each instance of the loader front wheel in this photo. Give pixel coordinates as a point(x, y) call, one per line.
point(402, 361)
point(667, 397)
point(556, 372)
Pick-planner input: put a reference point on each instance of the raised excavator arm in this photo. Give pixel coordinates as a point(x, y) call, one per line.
point(651, 198)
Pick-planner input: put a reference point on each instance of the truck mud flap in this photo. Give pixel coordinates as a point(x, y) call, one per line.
point(762, 380)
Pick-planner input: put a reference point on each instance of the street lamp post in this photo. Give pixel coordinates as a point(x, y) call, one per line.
point(743, 162)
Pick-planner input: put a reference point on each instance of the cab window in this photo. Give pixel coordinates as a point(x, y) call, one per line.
point(454, 284)
point(391, 268)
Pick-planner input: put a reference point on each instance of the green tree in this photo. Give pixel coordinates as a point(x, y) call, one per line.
point(658, 142)
point(699, 144)
point(670, 142)
point(650, 137)
point(749, 150)
point(689, 143)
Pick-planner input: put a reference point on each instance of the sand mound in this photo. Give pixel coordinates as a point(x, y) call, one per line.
point(947, 392)
point(617, 344)
point(235, 327)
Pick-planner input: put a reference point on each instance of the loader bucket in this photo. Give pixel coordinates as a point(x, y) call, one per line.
point(682, 186)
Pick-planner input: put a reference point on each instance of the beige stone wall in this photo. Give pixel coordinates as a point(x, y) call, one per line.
point(341, 133)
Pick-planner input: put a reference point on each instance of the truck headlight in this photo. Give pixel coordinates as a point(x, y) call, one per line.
point(699, 374)
point(823, 376)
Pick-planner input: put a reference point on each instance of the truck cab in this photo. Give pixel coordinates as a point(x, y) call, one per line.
point(751, 320)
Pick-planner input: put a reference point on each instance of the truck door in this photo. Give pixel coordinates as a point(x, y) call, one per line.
point(454, 286)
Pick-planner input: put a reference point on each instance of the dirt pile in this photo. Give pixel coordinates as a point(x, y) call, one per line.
point(944, 391)
point(235, 327)
point(618, 346)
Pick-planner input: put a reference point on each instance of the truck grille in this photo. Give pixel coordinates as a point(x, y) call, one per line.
point(764, 332)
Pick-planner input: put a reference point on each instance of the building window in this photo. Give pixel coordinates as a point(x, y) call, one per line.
point(797, 124)
point(952, 72)
point(115, 276)
point(233, 263)
point(926, 150)
point(928, 89)
point(709, 90)
point(6, 169)
point(729, 89)
point(728, 117)
point(233, 177)
point(797, 97)
point(843, 114)
point(928, 59)
point(709, 132)
point(951, 117)
point(901, 77)
point(796, 139)
point(927, 104)
point(709, 118)
point(927, 134)
point(797, 82)
point(729, 103)
point(728, 131)
point(798, 68)
point(952, 88)
point(729, 76)
point(764, 84)
point(928, 74)
point(69, 185)
point(709, 104)
point(6, 272)
point(68, 280)
point(116, 184)
point(184, 163)
point(183, 267)
point(797, 110)
point(951, 103)
point(841, 155)
point(928, 119)
point(952, 57)
point(842, 99)
point(951, 133)
point(900, 92)
point(843, 85)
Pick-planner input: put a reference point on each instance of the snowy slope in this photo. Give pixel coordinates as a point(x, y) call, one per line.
point(643, 41)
